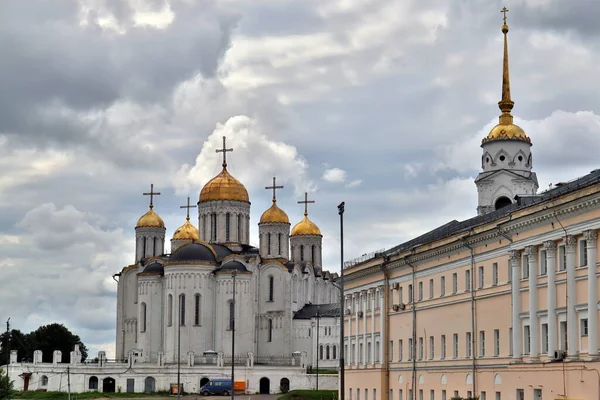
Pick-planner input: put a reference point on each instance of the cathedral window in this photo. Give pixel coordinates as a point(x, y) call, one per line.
point(231, 315)
point(170, 310)
point(270, 337)
point(197, 309)
point(93, 383)
point(239, 220)
point(182, 309)
point(213, 229)
point(144, 248)
point(271, 288)
point(268, 243)
point(301, 252)
point(143, 317)
point(327, 352)
point(334, 355)
point(280, 239)
point(227, 219)
point(313, 254)
point(320, 352)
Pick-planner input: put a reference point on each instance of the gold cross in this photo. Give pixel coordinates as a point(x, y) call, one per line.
point(504, 10)
point(305, 202)
point(224, 150)
point(152, 193)
point(274, 187)
point(188, 208)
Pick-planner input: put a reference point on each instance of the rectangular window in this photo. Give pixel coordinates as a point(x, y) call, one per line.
point(368, 352)
point(510, 270)
point(526, 340)
point(443, 394)
point(376, 352)
point(400, 394)
point(562, 258)
point(494, 274)
point(374, 394)
point(482, 396)
point(498, 396)
point(496, 342)
point(584, 326)
point(410, 294)
point(543, 263)
point(271, 288)
point(410, 349)
point(455, 345)
point(520, 394)
point(468, 344)
point(420, 348)
point(431, 347)
point(401, 295)
point(431, 394)
point(510, 342)
point(468, 280)
point(454, 283)
point(360, 353)
point(442, 286)
point(400, 347)
point(481, 278)
point(391, 351)
point(525, 266)
point(420, 291)
point(443, 355)
point(537, 394)
point(391, 394)
point(481, 343)
point(583, 253)
point(410, 394)
point(420, 394)
point(456, 393)
point(545, 338)
point(270, 337)
point(182, 309)
point(431, 288)
point(197, 309)
point(227, 217)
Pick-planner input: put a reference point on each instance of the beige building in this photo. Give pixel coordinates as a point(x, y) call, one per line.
point(503, 306)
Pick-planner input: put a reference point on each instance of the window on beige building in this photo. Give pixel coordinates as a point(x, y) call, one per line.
point(410, 349)
point(442, 286)
point(401, 295)
point(562, 258)
point(420, 291)
point(494, 274)
point(443, 394)
point(510, 272)
point(431, 288)
point(496, 342)
point(368, 352)
point(443, 347)
point(455, 345)
point(376, 351)
point(510, 342)
point(374, 394)
point(391, 351)
point(481, 343)
point(431, 347)
point(583, 253)
point(468, 280)
point(583, 326)
point(498, 396)
point(454, 283)
point(410, 294)
point(432, 394)
point(525, 266)
point(481, 278)
point(468, 345)
point(400, 394)
point(482, 396)
point(544, 338)
point(400, 347)
point(543, 263)
point(420, 394)
point(420, 348)
point(526, 340)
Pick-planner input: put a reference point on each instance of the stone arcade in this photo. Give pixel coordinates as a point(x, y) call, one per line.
point(188, 294)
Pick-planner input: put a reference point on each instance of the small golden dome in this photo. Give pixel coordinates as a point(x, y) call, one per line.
point(274, 215)
point(224, 187)
point(507, 132)
point(305, 227)
point(150, 219)
point(186, 231)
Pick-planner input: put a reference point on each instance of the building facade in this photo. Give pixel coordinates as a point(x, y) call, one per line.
point(503, 306)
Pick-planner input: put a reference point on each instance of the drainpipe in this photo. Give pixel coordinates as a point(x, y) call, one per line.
point(384, 313)
point(473, 327)
point(413, 378)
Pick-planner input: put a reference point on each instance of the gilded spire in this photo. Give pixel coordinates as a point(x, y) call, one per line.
point(506, 104)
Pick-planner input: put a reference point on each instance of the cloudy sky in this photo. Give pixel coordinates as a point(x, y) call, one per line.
point(378, 103)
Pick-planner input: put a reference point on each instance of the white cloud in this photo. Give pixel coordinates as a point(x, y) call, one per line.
point(335, 175)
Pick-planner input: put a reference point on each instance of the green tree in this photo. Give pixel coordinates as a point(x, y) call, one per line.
point(6, 385)
point(18, 341)
point(48, 338)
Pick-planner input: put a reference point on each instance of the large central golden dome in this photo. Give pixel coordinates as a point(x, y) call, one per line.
point(305, 227)
point(224, 187)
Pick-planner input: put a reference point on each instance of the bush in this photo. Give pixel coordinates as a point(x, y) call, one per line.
point(310, 395)
point(6, 385)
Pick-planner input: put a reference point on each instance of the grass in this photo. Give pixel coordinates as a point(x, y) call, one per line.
point(39, 395)
point(310, 395)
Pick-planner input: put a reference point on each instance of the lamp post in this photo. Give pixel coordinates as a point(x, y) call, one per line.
point(342, 395)
point(233, 274)
point(318, 350)
point(179, 352)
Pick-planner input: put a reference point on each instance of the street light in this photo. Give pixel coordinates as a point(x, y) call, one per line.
point(318, 349)
point(233, 274)
point(179, 351)
point(342, 352)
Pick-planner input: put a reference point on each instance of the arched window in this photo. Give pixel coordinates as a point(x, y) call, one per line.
point(197, 309)
point(334, 352)
point(213, 218)
point(143, 316)
point(327, 352)
point(182, 309)
point(279, 240)
point(502, 202)
point(302, 252)
point(144, 247)
point(271, 287)
point(239, 221)
point(154, 246)
point(231, 315)
point(44, 380)
point(270, 338)
point(320, 352)
point(268, 243)
point(227, 218)
point(170, 310)
point(93, 383)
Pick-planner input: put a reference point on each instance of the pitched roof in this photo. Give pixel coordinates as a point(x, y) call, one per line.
point(323, 310)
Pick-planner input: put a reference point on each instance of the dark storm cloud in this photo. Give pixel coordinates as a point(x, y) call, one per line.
point(579, 16)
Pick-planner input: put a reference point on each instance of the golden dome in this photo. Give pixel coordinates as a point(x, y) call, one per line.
point(305, 227)
point(507, 132)
point(274, 215)
point(186, 231)
point(224, 187)
point(150, 219)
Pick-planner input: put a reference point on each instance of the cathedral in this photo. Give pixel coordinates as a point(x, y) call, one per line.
point(183, 300)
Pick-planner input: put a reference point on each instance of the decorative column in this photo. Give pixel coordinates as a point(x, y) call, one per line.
point(364, 335)
point(348, 332)
point(571, 312)
point(534, 348)
point(374, 293)
point(591, 237)
point(357, 349)
point(514, 258)
point(550, 248)
point(382, 309)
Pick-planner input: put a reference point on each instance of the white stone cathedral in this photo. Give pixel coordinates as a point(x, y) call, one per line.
point(189, 290)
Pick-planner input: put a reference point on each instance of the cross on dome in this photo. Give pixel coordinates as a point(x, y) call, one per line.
point(152, 193)
point(224, 150)
point(306, 202)
point(274, 187)
point(504, 10)
point(188, 208)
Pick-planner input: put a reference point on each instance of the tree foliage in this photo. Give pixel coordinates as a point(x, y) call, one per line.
point(6, 385)
point(46, 338)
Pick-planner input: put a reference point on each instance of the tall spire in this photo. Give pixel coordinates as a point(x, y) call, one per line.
point(506, 104)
